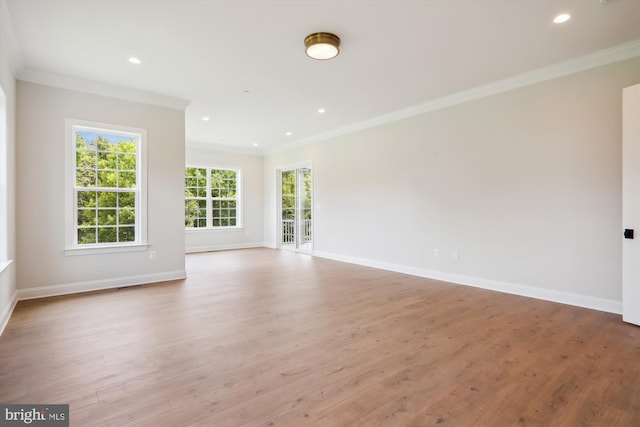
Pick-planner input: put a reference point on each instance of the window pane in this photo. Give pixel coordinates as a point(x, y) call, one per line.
point(127, 162)
point(87, 199)
point(86, 236)
point(107, 199)
point(85, 159)
point(126, 217)
point(224, 222)
point(107, 161)
point(126, 180)
point(191, 212)
point(106, 178)
point(104, 143)
point(106, 217)
point(86, 217)
point(82, 144)
point(107, 235)
point(127, 200)
point(85, 178)
point(126, 234)
point(127, 146)
point(232, 222)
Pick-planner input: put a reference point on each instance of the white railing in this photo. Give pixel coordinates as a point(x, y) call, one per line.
point(289, 231)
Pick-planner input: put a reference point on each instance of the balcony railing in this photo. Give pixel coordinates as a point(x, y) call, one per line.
point(289, 231)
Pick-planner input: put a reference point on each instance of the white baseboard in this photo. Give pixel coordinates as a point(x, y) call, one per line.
point(211, 248)
point(6, 312)
point(95, 285)
point(595, 303)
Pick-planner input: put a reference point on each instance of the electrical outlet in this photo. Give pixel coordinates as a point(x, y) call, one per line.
point(456, 254)
point(436, 252)
point(152, 254)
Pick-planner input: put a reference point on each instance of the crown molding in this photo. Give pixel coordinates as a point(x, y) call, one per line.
point(98, 88)
point(8, 40)
point(582, 63)
point(200, 145)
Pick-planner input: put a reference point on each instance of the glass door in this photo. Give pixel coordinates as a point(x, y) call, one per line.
point(296, 217)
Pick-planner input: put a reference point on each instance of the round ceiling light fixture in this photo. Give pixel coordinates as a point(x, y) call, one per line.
point(322, 45)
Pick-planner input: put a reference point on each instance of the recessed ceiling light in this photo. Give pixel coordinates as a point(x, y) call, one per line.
point(206, 119)
point(255, 144)
point(135, 60)
point(563, 17)
point(321, 110)
point(288, 133)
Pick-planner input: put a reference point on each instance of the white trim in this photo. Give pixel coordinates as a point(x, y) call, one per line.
point(212, 230)
point(585, 301)
point(4, 265)
point(92, 250)
point(103, 89)
point(95, 285)
point(212, 248)
point(200, 145)
point(5, 314)
point(4, 180)
point(8, 39)
point(582, 63)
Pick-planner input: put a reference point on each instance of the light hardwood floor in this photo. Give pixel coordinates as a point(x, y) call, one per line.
point(270, 338)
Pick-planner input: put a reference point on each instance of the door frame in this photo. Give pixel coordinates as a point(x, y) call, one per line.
point(289, 167)
point(631, 204)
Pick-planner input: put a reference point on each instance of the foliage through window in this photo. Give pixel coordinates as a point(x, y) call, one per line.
point(212, 198)
point(106, 186)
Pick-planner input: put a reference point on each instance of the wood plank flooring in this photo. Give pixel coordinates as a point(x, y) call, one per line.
point(271, 338)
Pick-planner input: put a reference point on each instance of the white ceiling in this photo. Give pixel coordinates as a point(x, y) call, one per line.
point(242, 63)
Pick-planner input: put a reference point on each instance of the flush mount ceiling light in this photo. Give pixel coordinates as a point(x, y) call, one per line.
point(322, 45)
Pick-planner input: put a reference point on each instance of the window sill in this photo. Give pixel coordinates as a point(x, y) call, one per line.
point(4, 265)
point(211, 229)
point(105, 249)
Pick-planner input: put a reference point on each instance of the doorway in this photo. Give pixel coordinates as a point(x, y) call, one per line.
point(295, 219)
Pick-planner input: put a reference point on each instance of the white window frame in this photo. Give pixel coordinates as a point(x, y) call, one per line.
point(209, 199)
point(4, 185)
point(71, 210)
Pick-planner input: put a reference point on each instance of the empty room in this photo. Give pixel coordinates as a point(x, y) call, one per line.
point(319, 213)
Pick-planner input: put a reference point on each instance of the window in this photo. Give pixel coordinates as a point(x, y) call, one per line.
point(108, 188)
point(212, 198)
point(4, 192)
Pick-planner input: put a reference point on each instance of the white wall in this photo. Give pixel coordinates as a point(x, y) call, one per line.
point(8, 274)
point(42, 267)
point(251, 234)
point(526, 185)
